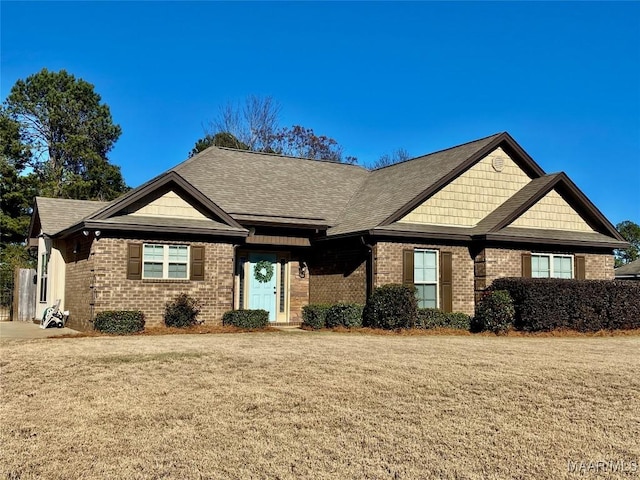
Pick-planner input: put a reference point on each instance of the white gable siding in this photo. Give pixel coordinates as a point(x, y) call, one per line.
point(473, 195)
point(552, 212)
point(169, 205)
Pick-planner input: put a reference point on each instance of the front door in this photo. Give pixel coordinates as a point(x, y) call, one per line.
point(262, 283)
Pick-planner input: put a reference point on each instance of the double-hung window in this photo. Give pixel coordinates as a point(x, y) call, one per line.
point(425, 277)
point(551, 266)
point(165, 261)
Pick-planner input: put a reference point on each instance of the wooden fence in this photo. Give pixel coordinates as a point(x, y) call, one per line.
point(24, 295)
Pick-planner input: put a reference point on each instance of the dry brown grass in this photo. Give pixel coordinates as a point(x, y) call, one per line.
point(162, 330)
point(317, 405)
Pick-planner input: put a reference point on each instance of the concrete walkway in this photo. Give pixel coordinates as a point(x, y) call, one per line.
point(30, 330)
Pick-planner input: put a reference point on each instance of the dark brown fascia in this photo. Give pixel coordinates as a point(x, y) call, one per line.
point(268, 223)
point(594, 217)
point(97, 225)
point(160, 181)
point(498, 237)
point(458, 237)
point(503, 140)
point(377, 233)
point(32, 222)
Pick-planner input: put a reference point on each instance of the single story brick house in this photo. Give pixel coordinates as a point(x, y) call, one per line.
point(238, 229)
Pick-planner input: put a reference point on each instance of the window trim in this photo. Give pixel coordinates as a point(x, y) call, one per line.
point(551, 257)
point(437, 281)
point(44, 277)
point(166, 262)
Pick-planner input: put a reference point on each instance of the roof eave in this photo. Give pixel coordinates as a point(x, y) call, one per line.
point(501, 237)
point(459, 237)
point(98, 225)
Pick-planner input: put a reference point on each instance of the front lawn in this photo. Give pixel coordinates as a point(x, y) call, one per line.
point(317, 405)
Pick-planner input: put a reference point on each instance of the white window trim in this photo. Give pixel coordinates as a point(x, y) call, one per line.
point(551, 256)
point(165, 261)
point(437, 282)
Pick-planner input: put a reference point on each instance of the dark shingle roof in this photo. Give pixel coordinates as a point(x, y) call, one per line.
point(57, 214)
point(631, 269)
point(388, 189)
point(251, 183)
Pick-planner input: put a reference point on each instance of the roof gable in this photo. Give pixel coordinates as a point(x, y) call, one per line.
point(161, 197)
point(473, 195)
point(392, 192)
point(501, 140)
point(552, 186)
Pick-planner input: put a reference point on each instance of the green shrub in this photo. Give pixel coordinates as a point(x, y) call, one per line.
point(434, 318)
point(391, 306)
point(181, 312)
point(120, 322)
point(246, 318)
point(494, 312)
point(543, 304)
point(344, 315)
point(314, 315)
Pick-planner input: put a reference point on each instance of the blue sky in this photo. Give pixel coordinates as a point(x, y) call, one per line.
point(562, 78)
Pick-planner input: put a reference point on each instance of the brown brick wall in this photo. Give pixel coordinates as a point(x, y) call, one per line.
point(388, 269)
point(599, 266)
point(298, 291)
point(78, 258)
point(338, 273)
point(492, 263)
point(115, 291)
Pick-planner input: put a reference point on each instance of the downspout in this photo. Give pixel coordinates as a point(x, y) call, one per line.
point(370, 270)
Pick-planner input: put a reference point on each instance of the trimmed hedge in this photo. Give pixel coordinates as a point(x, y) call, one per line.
point(434, 318)
point(120, 322)
point(314, 315)
point(390, 307)
point(344, 315)
point(582, 305)
point(181, 312)
point(495, 312)
point(246, 318)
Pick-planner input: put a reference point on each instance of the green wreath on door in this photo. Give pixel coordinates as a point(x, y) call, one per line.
point(263, 271)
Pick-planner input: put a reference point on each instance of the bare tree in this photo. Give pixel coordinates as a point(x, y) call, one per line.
point(397, 156)
point(255, 123)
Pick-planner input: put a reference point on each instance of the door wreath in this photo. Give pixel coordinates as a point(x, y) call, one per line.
point(263, 271)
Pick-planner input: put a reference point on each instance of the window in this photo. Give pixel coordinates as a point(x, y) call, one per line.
point(165, 261)
point(44, 267)
point(551, 266)
point(425, 277)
